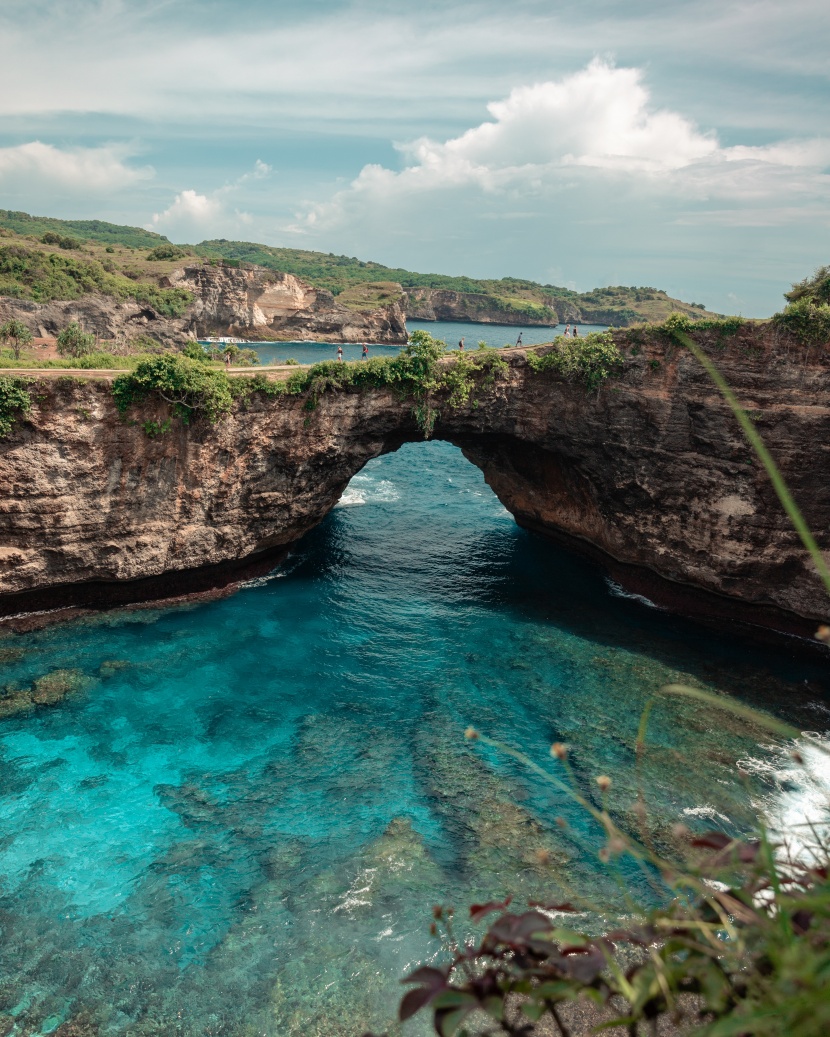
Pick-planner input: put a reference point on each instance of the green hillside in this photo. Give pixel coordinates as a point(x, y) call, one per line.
point(359, 282)
point(86, 230)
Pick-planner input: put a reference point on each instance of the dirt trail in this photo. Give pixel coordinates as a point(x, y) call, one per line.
point(277, 373)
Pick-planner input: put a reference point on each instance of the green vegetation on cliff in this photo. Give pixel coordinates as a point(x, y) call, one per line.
point(357, 283)
point(192, 388)
point(15, 402)
point(509, 295)
point(590, 360)
point(807, 313)
point(45, 271)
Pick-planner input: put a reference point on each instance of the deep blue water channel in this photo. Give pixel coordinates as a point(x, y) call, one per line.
point(240, 821)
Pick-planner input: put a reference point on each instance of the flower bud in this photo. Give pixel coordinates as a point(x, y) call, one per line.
point(559, 750)
point(471, 734)
point(604, 782)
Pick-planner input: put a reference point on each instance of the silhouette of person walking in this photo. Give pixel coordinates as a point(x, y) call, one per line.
point(365, 354)
point(461, 344)
point(519, 339)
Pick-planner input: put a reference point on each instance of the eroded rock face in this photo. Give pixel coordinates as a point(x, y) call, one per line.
point(254, 303)
point(444, 304)
point(652, 476)
point(266, 305)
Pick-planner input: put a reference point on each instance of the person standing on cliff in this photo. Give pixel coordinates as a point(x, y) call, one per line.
point(519, 339)
point(575, 332)
point(365, 354)
point(461, 344)
point(227, 360)
point(567, 330)
point(339, 352)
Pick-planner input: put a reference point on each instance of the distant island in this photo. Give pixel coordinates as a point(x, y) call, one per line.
point(147, 259)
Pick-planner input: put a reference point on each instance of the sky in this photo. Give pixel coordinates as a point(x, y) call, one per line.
point(683, 145)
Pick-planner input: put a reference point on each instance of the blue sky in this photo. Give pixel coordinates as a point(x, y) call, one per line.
point(684, 145)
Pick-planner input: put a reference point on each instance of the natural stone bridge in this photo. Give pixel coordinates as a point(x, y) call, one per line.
point(651, 476)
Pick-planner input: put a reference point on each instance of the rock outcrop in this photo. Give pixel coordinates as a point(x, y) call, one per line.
point(651, 476)
point(445, 305)
point(265, 305)
point(251, 303)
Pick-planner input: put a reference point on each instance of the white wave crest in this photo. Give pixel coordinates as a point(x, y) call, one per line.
point(619, 592)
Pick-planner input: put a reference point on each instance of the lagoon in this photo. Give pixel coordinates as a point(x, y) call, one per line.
point(240, 823)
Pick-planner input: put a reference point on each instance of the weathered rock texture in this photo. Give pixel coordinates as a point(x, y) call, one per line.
point(256, 303)
point(443, 304)
point(651, 476)
point(252, 303)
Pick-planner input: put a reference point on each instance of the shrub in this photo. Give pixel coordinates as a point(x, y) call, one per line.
point(815, 289)
point(191, 388)
point(166, 251)
point(74, 341)
point(239, 357)
point(807, 321)
point(590, 360)
point(50, 238)
point(15, 400)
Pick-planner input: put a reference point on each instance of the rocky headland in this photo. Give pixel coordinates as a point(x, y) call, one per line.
point(250, 303)
point(651, 476)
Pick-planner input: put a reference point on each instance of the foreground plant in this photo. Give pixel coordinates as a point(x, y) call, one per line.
point(738, 944)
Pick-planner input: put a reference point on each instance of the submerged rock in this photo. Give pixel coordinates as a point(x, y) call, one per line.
point(48, 690)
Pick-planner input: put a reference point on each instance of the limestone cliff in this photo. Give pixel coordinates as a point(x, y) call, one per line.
point(651, 476)
point(255, 303)
point(445, 305)
point(251, 303)
point(619, 308)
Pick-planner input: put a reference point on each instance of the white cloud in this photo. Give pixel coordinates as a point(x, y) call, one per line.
point(188, 207)
point(74, 169)
point(547, 138)
point(192, 215)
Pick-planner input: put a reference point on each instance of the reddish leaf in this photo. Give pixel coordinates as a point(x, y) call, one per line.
point(478, 911)
point(413, 1001)
point(712, 841)
point(585, 964)
point(427, 976)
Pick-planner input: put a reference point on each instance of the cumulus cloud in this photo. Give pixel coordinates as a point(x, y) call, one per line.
point(188, 207)
point(75, 169)
point(193, 214)
point(599, 121)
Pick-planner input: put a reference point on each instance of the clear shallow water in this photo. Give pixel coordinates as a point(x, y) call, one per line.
point(240, 821)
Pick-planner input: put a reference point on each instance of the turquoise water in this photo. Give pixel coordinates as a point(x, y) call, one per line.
point(238, 821)
point(494, 335)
